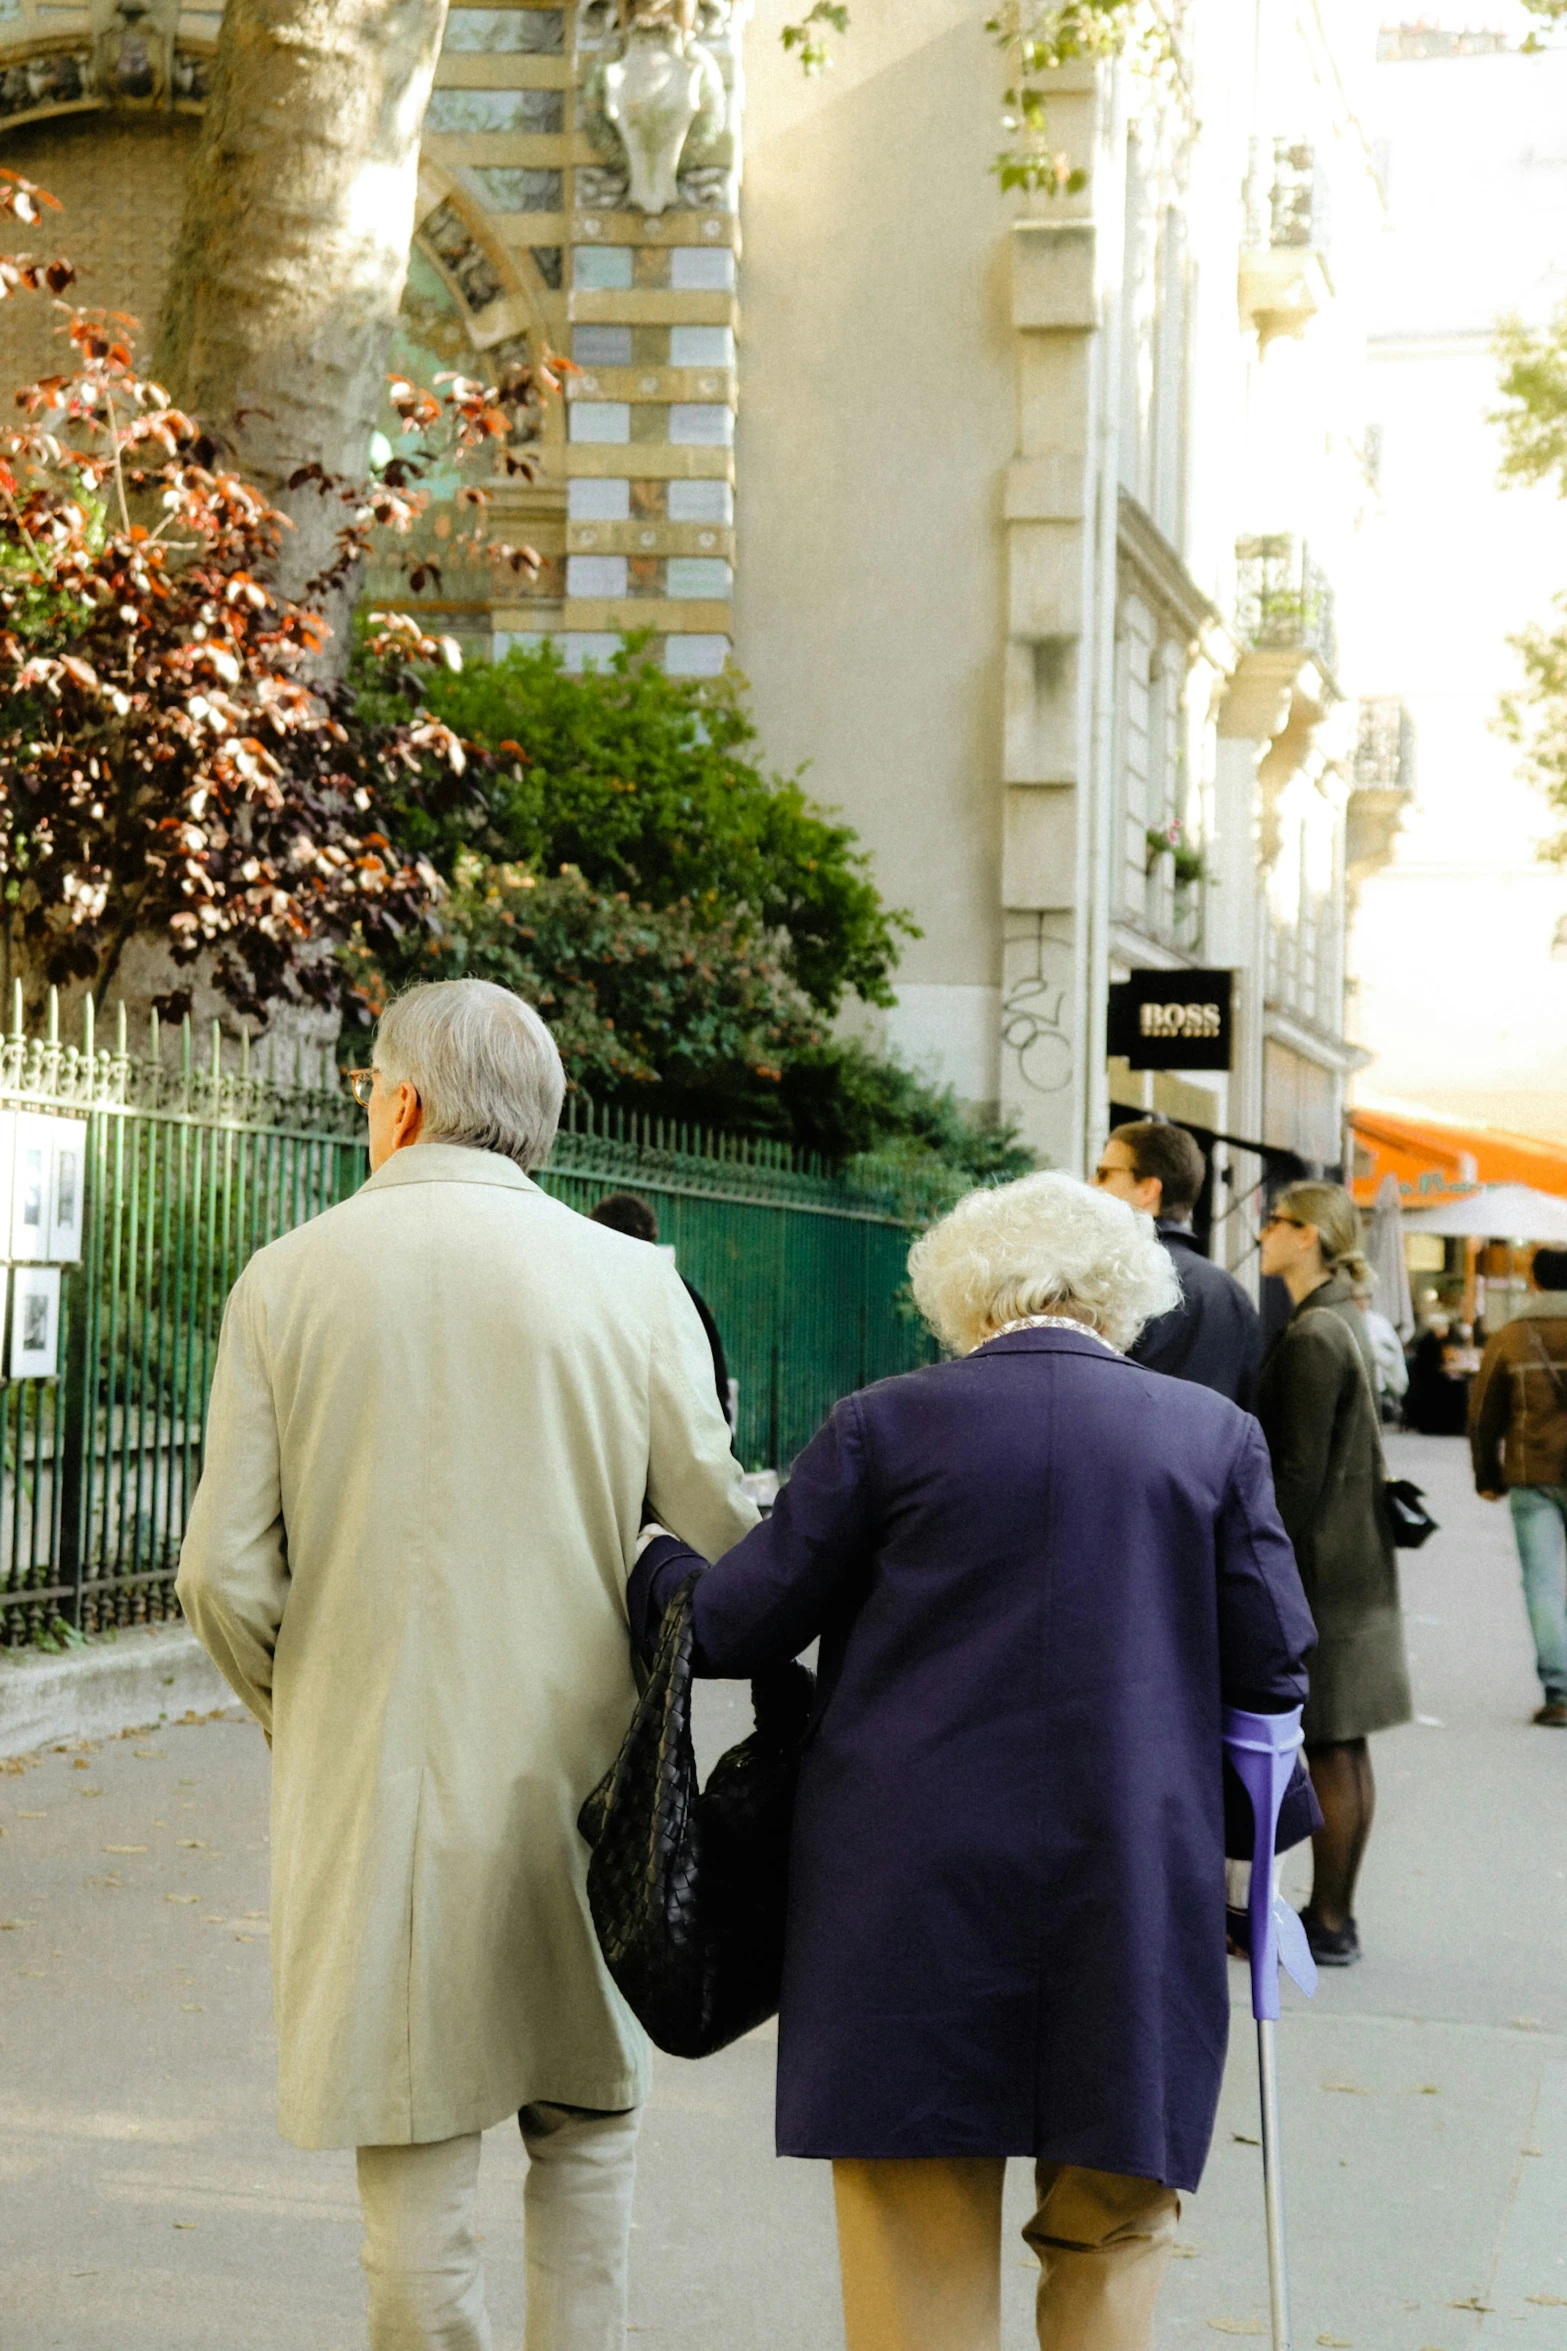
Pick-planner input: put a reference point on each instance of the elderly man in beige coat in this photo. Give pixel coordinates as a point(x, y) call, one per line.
point(437, 1413)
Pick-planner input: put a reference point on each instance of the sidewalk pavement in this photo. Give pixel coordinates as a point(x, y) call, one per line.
point(149, 2204)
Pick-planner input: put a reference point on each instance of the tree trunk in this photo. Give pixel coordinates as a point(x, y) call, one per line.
point(293, 250)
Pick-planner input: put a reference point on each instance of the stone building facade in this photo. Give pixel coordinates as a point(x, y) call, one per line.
point(1050, 547)
point(1037, 530)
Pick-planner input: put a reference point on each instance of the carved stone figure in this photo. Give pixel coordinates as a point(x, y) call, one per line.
point(132, 50)
point(656, 97)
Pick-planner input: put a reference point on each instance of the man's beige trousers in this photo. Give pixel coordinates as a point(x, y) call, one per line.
point(421, 2252)
point(920, 2246)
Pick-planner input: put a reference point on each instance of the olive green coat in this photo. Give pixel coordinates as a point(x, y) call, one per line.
point(436, 1413)
point(1317, 1412)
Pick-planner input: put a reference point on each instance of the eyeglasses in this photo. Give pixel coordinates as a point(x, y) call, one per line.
point(1269, 1222)
point(360, 1082)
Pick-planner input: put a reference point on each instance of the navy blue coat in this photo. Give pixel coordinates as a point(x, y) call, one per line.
point(1214, 1336)
point(1036, 1574)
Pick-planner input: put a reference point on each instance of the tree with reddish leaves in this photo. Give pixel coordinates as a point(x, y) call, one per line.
point(174, 774)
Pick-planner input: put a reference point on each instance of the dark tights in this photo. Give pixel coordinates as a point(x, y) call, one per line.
point(1341, 1775)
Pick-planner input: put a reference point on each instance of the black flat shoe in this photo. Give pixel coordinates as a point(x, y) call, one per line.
point(1331, 1946)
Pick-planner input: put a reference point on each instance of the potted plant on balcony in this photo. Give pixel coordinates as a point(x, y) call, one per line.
point(1185, 870)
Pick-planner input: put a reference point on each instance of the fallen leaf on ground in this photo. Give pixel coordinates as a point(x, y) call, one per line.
point(1336, 2342)
point(1547, 2301)
point(1349, 2089)
point(123, 1848)
point(182, 1897)
point(42, 1973)
point(1183, 2252)
point(9, 1925)
point(1522, 2024)
point(184, 2224)
point(212, 1919)
point(1242, 2140)
point(32, 1816)
point(191, 1844)
point(1429, 2090)
point(151, 1754)
point(1236, 2326)
point(1471, 2302)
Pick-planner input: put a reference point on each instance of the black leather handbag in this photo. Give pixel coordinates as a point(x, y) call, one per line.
point(688, 1886)
point(1406, 1507)
point(1411, 1522)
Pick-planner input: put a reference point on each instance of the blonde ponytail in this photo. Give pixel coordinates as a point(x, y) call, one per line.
point(1335, 1219)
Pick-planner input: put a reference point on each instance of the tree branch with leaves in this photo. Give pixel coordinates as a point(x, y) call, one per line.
point(172, 767)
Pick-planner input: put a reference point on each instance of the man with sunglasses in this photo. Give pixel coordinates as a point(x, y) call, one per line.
point(1213, 1337)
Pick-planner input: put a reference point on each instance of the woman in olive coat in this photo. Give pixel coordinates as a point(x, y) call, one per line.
point(1319, 1414)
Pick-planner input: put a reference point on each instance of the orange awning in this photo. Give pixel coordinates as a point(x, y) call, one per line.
point(1435, 1159)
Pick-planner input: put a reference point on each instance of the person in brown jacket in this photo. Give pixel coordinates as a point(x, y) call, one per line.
point(1518, 1442)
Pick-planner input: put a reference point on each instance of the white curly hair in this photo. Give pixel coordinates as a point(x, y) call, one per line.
point(1046, 1244)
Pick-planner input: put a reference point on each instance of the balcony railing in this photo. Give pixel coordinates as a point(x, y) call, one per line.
point(1286, 196)
point(1385, 747)
point(1282, 598)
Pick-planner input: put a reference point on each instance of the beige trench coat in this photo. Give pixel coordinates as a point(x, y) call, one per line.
point(436, 1412)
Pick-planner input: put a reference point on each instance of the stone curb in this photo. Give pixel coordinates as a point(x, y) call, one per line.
point(142, 1678)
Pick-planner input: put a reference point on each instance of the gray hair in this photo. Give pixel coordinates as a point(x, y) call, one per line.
point(482, 1063)
point(1046, 1244)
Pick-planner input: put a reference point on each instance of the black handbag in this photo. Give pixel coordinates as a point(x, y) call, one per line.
point(1411, 1522)
point(688, 1886)
point(1406, 1507)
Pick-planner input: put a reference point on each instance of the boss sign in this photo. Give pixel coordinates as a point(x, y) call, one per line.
point(1172, 1019)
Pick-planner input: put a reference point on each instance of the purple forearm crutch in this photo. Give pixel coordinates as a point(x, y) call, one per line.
point(1263, 1748)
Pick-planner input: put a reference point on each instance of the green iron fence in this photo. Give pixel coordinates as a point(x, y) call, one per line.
point(186, 1165)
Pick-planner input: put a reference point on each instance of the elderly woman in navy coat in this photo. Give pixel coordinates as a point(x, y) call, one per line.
point(1037, 1573)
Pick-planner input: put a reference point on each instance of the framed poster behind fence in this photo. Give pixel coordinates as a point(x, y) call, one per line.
point(67, 1188)
point(30, 1186)
point(7, 1163)
point(35, 1322)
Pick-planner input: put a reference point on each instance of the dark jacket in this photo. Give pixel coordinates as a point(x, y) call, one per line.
point(1318, 1413)
point(714, 1342)
point(1213, 1336)
point(1518, 1407)
point(1036, 1575)
point(1437, 1402)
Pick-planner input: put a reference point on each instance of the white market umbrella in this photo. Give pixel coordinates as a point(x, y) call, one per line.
point(1496, 1212)
point(1385, 1256)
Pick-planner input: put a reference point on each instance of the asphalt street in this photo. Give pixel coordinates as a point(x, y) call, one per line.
point(149, 2204)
